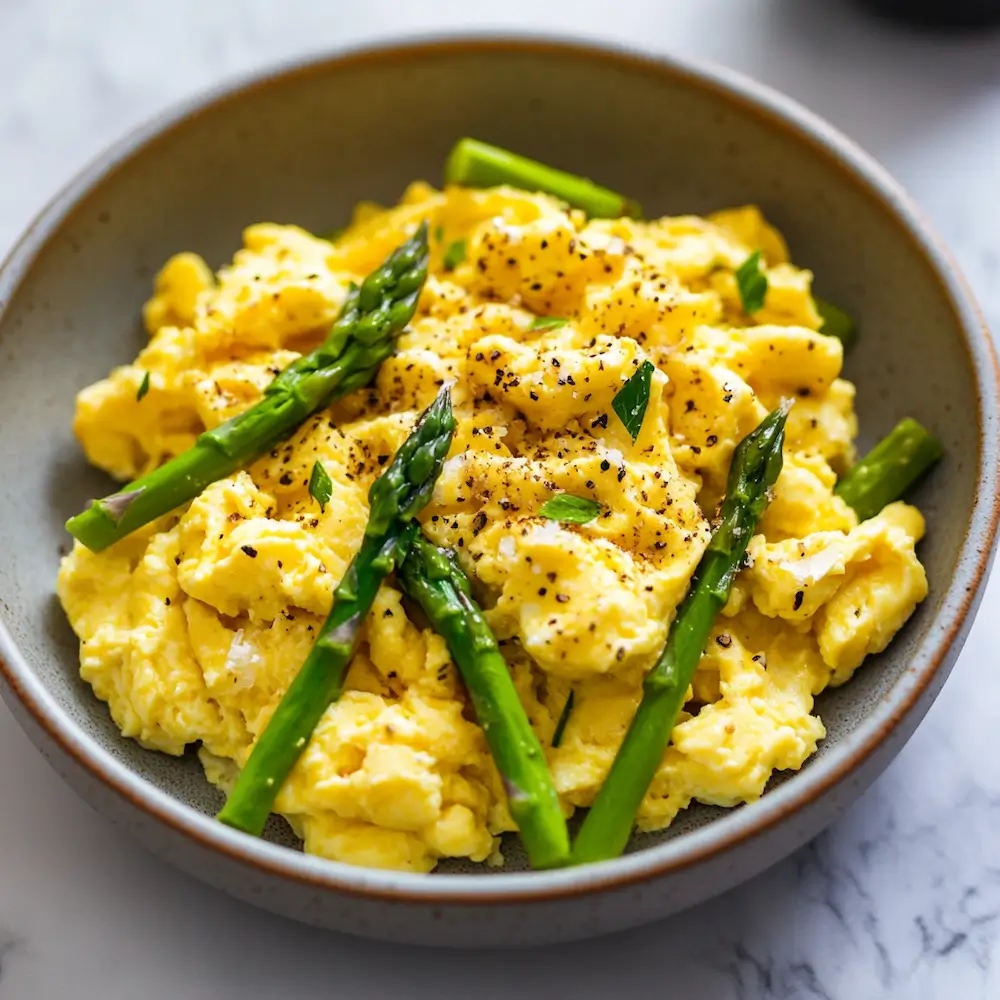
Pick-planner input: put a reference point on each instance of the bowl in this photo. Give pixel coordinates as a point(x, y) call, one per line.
point(302, 145)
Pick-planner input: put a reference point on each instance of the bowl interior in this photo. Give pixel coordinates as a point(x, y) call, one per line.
point(305, 147)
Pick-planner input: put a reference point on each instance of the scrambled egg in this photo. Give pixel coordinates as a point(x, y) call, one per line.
point(192, 628)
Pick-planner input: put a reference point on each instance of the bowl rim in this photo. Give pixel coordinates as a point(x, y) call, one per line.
point(738, 826)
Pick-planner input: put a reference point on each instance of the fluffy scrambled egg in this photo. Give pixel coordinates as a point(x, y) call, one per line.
point(192, 628)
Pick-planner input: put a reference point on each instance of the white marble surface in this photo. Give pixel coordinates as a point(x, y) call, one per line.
point(901, 898)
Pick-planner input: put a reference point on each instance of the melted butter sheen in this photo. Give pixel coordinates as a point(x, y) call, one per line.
point(192, 628)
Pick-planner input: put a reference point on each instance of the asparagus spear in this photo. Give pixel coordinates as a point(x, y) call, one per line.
point(395, 498)
point(432, 578)
point(477, 164)
point(755, 467)
point(888, 471)
point(359, 341)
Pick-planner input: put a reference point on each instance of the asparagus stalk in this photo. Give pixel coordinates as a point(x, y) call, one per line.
point(888, 471)
point(432, 578)
point(395, 499)
point(359, 341)
point(477, 164)
point(755, 466)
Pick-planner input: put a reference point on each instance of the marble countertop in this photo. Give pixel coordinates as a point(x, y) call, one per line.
point(901, 898)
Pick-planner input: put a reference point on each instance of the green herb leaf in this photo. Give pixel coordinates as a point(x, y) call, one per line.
point(752, 283)
point(563, 719)
point(836, 323)
point(454, 255)
point(320, 486)
point(632, 398)
point(547, 323)
point(439, 233)
point(143, 388)
point(334, 234)
point(570, 509)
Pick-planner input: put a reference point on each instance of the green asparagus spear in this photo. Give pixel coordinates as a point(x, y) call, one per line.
point(432, 578)
point(836, 323)
point(477, 164)
point(360, 340)
point(395, 498)
point(755, 466)
point(888, 471)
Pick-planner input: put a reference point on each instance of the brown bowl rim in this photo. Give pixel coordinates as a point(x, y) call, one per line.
point(738, 827)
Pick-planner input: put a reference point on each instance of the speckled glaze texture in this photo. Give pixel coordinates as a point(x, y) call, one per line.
point(70, 295)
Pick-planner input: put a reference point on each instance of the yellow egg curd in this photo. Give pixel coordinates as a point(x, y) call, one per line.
point(192, 628)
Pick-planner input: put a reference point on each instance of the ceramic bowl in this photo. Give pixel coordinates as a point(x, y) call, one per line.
point(302, 145)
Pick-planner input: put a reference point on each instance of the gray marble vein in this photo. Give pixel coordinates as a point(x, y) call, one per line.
point(899, 899)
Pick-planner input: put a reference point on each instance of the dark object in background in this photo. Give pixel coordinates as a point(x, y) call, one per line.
point(939, 13)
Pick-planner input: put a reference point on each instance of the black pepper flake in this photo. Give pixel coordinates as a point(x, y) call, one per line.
point(542, 591)
point(621, 473)
point(711, 440)
point(249, 550)
point(286, 479)
point(797, 603)
point(724, 641)
point(605, 465)
point(601, 421)
point(562, 598)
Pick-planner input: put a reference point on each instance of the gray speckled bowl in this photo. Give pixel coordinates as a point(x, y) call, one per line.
point(302, 146)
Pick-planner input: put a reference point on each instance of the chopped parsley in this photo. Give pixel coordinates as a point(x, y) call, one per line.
point(752, 283)
point(632, 398)
point(547, 323)
point(570, 509)
point(836, 323)
point(320, 486)
point(143, 388)
point(454, 255)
